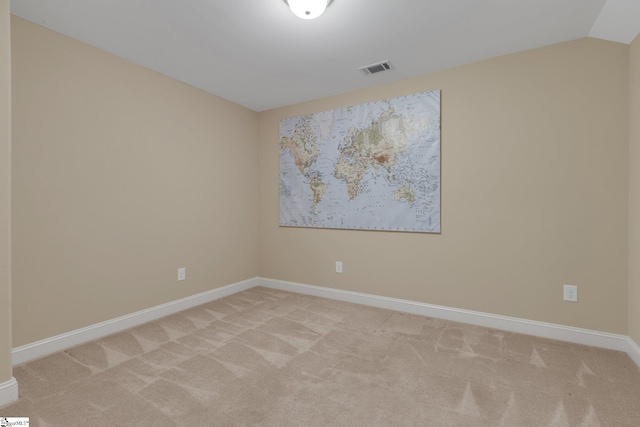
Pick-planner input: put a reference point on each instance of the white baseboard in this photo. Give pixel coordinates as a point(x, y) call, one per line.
point(67, 340)
point(505, 323)
point(8, 392)
point(633, 351)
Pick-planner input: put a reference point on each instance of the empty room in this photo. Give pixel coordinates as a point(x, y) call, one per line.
point(320, 213)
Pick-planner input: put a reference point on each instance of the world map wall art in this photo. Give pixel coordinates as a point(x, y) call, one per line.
point(372, 166)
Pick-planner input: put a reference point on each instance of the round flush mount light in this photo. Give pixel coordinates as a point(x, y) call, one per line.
point(308, 9)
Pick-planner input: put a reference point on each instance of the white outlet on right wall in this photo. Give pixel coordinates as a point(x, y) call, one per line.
point(571, 293)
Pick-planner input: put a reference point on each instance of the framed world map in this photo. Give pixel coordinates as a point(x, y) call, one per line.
point(373, 166)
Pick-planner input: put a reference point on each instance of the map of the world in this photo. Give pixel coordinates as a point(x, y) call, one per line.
point(373, 166)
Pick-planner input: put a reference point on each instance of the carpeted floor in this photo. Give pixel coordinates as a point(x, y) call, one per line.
point(270, 358)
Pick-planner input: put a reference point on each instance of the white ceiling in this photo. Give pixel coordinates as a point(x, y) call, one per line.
point(258, 54)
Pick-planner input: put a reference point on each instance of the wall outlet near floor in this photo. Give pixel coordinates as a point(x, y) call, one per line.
point(571, 293)
point(182, 274)
point(338, 266)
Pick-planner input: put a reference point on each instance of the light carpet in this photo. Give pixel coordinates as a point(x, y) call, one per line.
point(271, 358)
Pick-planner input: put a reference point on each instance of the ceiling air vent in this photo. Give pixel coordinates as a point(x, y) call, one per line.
point(376, 68)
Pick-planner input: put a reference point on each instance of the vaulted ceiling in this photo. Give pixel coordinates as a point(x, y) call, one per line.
point(258, 54)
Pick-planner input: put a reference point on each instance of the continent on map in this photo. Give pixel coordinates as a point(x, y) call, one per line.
point(376, 146)
point(319, 188)
point(352, 173)
point(405, 193)
point(302, 145)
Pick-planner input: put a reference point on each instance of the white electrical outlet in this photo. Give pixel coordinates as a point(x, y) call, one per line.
point(571, 293)
point(182, 274)
point(338, 266)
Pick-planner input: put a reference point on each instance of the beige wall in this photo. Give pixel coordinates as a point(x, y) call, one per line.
point(534, 194)
point(121, 175)
point(5, 193)
point(634, 190)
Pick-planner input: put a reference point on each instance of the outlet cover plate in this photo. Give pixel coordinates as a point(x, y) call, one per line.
point(182, 274)
point(570, 293)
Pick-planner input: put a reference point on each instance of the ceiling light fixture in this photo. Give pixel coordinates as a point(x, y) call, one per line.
point(308, 9)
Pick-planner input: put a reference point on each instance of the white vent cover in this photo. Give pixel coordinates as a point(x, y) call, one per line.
point(378, 67)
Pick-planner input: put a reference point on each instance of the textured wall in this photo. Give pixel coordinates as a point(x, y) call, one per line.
point(634, 190)
point(534, 194)
point(121, 175)
point(5, 193)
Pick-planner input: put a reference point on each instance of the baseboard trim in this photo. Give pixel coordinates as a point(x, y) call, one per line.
point(67, 340)
point(633, 351)
point(505, 323)
point(8, 392)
